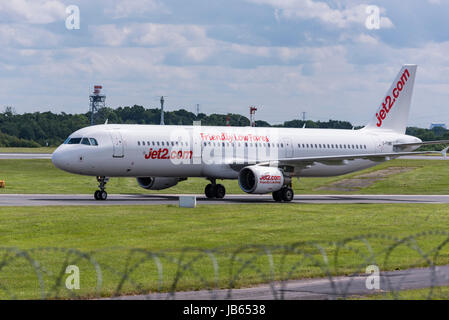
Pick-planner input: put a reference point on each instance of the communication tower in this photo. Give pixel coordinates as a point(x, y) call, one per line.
point(97, 101)
point(162, 111)
point(252, 113)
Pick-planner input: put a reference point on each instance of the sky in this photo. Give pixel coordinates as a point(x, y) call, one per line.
point(283, 56)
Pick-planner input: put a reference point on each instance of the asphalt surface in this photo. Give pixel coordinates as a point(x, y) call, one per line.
point(324, 288)
point(154, 199)
point(18, 156)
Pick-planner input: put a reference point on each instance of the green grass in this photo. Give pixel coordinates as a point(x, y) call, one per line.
point(40, 176)
point(28, 150)
point(168, 229)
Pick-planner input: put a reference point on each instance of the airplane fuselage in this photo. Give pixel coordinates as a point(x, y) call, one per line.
point(218, 152)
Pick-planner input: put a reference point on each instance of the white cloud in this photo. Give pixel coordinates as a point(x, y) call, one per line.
point(32, 11)
point(150, 34)
point(18, 35)
point(128, 8)
point(308, 9)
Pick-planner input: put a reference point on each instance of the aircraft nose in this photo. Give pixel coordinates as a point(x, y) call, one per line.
point(60, 159)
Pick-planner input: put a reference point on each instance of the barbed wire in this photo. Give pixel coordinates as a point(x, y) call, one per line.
point(263, 271)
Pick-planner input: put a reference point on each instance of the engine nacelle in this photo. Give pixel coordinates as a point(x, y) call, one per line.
point(157, 183)
point(258, 179)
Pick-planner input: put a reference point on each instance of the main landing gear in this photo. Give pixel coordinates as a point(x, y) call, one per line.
point(285, 194)
point(101, 194)
point(214, 190)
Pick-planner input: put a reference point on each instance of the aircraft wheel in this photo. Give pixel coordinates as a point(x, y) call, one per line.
point(103, 195)
point(210, 191)
point(97, 195)
point(277, 196)
point(220, 191)
point(287, 194)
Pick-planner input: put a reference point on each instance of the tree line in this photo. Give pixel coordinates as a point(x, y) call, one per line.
point(50, 129)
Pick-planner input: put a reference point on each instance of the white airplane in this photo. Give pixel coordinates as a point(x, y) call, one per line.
point(264, 160)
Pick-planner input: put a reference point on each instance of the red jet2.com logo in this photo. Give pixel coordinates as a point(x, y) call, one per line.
point(270, 179)
point(389, 102)
point(164, 154)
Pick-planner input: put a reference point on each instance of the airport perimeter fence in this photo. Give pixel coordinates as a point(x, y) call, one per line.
point(371, 265)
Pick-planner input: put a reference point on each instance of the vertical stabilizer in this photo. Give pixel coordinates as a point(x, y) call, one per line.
point(394, 109)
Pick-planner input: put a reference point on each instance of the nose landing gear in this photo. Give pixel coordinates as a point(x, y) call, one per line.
point(101, 194)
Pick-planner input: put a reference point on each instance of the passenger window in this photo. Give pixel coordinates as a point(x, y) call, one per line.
point(162, 142)
point(143, 143)
point(138, 143)
point(93, 141)
point(85, 141)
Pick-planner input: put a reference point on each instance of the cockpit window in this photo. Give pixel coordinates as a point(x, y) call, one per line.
point(93, 142)
point(74, 141)
point(85, 141)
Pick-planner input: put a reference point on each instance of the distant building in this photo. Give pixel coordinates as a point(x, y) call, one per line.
point(435, 125)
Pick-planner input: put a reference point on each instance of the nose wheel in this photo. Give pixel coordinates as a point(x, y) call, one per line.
point(101, 194)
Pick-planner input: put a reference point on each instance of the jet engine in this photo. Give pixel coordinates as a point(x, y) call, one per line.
point(158, 183)
point(258, 179)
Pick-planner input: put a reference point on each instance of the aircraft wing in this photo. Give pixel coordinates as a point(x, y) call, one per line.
point(340, 159)
point(423, 143)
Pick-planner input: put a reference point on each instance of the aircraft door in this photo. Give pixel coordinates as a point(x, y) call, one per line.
point(197, 148)
point(117, 144)
point(288, 147)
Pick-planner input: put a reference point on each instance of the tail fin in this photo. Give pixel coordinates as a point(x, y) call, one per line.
point(394, 109)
